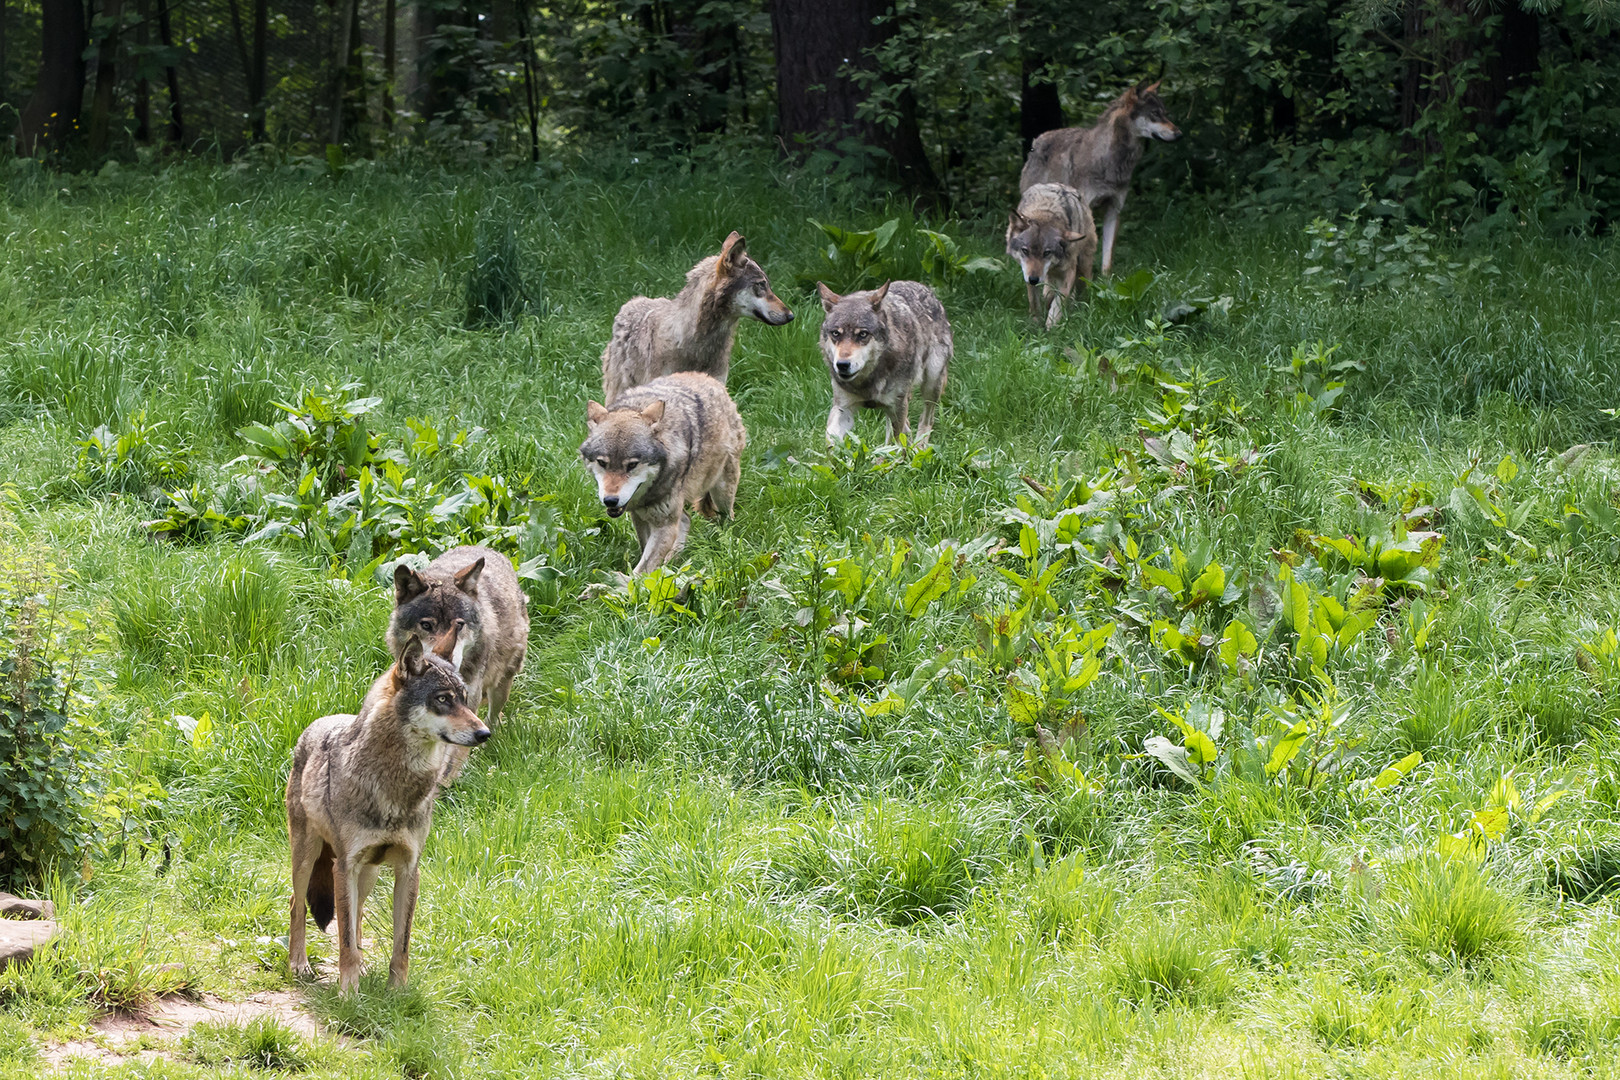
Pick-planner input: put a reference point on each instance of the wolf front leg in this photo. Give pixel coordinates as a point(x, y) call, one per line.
point(1110, 226)
point(1034, 300)
point(407, 881)
point(841, 420)
point(899, 418)
point(663, 539)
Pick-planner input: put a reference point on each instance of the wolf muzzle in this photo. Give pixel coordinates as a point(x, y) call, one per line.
point(614, 505)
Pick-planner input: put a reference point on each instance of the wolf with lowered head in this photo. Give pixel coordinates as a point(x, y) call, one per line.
point(1098, 161)
point(659, 448)
point(1053, 239)
point(881, 347)
point(693, 330)
point(361, 794)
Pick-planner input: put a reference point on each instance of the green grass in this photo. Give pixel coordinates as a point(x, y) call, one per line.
point(707, 841)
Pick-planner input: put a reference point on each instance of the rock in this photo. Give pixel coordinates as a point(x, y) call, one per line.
point(15, 907)
point(18, 940)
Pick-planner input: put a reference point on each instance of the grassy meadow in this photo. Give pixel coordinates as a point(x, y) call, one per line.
point(1229, 696)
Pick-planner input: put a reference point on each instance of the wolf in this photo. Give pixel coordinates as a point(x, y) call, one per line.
point(659, 448)
point(1098, 161)
point(1053, 237)
point(478, 586)
point(693, 330)
point(361, 794)
point(881, 346)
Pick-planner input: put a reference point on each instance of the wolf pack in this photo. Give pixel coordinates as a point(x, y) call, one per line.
point(668, 441)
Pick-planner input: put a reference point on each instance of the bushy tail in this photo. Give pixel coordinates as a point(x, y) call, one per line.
point(319, 894)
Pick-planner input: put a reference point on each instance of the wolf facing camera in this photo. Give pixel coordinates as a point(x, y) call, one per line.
point(881, 347)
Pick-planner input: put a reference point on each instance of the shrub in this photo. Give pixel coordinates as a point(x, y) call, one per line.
point(45, 754)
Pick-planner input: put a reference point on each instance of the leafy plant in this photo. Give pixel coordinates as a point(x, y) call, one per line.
point(944, 263)
point(130, 459)
point(324, 435)
point(1321, 380)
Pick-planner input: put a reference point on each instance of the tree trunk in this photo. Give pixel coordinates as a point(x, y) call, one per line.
point(5, 88)
point(817, 43)
point(1448, 38)
point(143, 85)
point(1039, 108)
point(347, 13)
point(390, 56)
point(52, 113)
point(106, 78)
point(177, 127)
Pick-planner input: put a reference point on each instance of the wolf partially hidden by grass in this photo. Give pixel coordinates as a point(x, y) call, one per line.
point(1098, 161)
point(882, 346)
point(659, 448)
point(1053, 239)
point(693, 330)
point(361, 794)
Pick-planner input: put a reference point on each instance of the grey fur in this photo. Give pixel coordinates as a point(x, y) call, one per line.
point(673, 443)
point(693, 330)
point(361, 794)
point(882, 346)
point(1053, 239)
point(1098, 161)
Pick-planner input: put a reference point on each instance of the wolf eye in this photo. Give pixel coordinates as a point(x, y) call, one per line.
point(444, 700)
point(602, 462)
point(426, 624)
point(861, 336)
point(631, 465)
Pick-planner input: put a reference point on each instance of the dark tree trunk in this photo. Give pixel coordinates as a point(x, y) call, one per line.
point(5, 88)
point(259, 69)
point(530, 62)
point(106, 79)
point(712, 42)
point(143, 85)
point(817, 42)
point(347, 14)
point(1039, 108)
point(390, 58)
point(177, 127)
point(1446, 39)
point(1511, 54)
point(52, 113)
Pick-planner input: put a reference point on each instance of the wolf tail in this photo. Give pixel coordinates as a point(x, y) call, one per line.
point(320, 892)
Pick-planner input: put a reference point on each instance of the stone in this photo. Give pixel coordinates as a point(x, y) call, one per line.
point(19, 940)
point(15, 907)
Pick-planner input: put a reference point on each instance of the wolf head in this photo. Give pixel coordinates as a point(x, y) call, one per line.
point(743, 287)
point(854, 332)
point(424, 608)
point(623, 451)
point(429, 697)
point(1147, 113)
point(1037, 243)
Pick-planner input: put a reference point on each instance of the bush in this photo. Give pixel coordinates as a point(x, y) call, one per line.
point(45, 779)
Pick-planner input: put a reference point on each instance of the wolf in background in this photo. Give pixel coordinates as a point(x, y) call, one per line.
point(361, 794)
point(1098, 161)
point(1053, 239)
point(659, 448)
point(881, 346)
point(693, 330)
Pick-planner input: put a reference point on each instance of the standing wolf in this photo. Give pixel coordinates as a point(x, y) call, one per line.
point(881, 346)
point(1098, 161)
point(693, 330)
point(659, 448)
point(361, 794)
point(1052, 236)
point(478, 586)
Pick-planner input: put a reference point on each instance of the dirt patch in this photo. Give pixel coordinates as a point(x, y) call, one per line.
point(156, 1032)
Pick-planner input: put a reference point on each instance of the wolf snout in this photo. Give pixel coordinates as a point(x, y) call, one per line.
point(1033, 279)
point(480, 736)
point(781, 318)
point(843, 367)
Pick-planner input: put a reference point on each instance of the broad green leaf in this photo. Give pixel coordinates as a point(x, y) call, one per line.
point(1394, 774)
point(1507, 469)
point(931, 586)
point(1287, 748)
point(1209, 585)
point(1155, 575)
point(1491, 822)
point(1173, 757)
point(1237, 640)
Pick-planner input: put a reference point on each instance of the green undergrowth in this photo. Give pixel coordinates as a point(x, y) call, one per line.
point(1229, 690)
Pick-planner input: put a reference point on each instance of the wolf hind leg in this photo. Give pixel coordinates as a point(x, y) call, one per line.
point(930, 389)
point(308, 853)
point(723, 495)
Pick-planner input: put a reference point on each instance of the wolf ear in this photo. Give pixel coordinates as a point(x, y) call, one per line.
point(408, 585)
point(445, 647)
point(733, 251)
point(1145, 87)
point(594, 414)
point(828, 297)
point(653, 413)
point(467, 580)
point(1015, 221)
point(411, 663)
point(877, 297)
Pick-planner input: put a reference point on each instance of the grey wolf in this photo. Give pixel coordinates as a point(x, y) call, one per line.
point(881, 346)
point(361, 794)
point(659, 448)
point(1098, 161)
point(478, 586)
point(1053, 238)
point(693, 330)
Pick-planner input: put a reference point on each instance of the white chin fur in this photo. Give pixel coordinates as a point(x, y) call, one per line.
point(627, 490)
